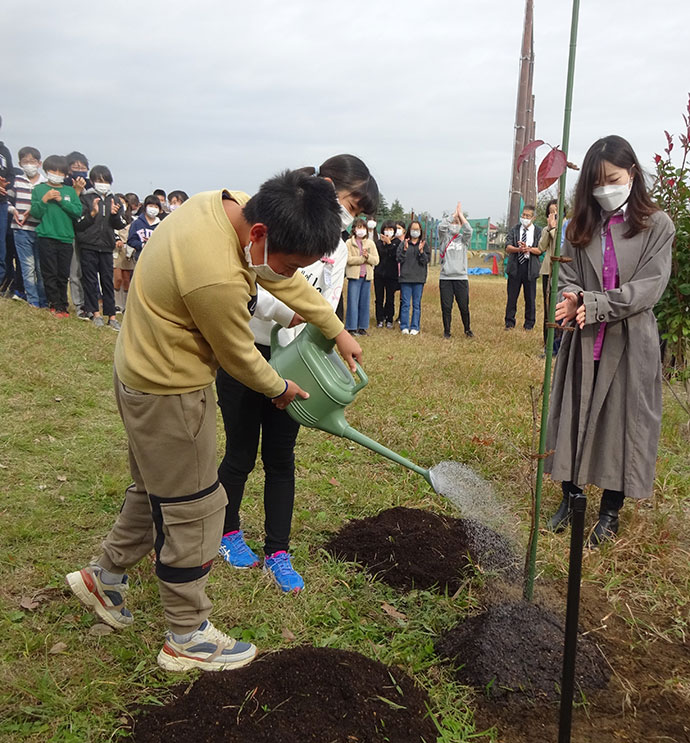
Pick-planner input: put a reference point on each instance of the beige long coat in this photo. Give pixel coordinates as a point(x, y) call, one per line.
point(606, 432)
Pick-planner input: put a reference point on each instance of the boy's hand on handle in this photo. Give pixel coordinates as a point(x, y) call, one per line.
point(94, 206)
point(296, 320)
point(293, 390)
point(567, 309)
point(349, 349)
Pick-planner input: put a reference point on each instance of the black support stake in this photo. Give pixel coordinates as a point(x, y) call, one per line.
point(578, 501)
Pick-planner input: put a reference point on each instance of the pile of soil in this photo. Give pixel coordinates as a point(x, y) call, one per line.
point(411, 548)
point(647, 697)
point(518, 649)
point(294, 696)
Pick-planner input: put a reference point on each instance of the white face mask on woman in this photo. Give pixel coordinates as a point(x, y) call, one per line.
point(55, 179)
point(346, 218)
point(388, 233)
point(361, 232)
point(611, 198)
point(414, 234)
point(371, 224)
point(399, 232)
point(101, 188)
point(263, 270)
point(152, 212)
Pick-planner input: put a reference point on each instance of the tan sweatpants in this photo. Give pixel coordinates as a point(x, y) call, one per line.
point(176, 504)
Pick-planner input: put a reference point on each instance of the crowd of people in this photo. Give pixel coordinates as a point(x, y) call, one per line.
point(204, 316)
point(61, 225)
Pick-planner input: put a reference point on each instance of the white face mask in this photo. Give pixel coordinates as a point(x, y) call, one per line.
point(152, 211)
point(399, 232)
point(371, 224)
point(263, 271)
point(611, 198)
point(172, 207)
point(388, 233)
point(30, 170)
point(102, 188)
point(361, 232)
point(415, 234)
point(525, 222)
point(56, 179)
point(346, 218)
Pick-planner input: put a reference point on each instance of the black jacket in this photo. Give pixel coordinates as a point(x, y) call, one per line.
point(534, 263)
point(388, 259)
point(6, 170)
point(98, 233)
point(413, 264)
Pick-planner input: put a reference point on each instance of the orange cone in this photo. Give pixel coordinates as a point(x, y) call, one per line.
point(494, 268)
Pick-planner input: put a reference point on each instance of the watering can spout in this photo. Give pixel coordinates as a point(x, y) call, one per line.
point(311, 361)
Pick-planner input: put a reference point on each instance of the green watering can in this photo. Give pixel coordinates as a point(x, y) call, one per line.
point(310, 361)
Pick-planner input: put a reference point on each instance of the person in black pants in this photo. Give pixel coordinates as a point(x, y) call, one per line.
point(386, 275)
point(101, 216)
point(523, 268)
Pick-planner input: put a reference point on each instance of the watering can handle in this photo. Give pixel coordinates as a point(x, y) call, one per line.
point(363, 378)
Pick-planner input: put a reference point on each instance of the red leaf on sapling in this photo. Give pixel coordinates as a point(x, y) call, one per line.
point(527, 151)
point(551, 169)
point(657, 159)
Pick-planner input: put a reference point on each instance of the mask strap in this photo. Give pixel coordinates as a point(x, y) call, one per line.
point(266, 250)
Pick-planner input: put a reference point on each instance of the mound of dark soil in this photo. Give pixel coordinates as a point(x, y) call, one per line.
point(411, 548)
point(295, 696)
point(646, 698)
point(518, 648)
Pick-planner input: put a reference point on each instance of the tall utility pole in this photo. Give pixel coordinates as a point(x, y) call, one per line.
point(524, 117)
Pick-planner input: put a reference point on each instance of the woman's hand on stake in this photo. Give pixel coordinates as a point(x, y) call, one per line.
point(566, 310)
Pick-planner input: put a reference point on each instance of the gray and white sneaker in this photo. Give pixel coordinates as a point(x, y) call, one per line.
point(114, 324)
point(104, 599)
point(98, 321)
point(207, 648)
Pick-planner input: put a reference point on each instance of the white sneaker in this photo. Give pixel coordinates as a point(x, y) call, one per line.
point(414, 332)
point(405, 331)
point(208, 648)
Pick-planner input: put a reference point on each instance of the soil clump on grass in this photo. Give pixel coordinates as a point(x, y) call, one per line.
point(300, 695)
point(517, 648)
point(647, 696)
point(411, 548)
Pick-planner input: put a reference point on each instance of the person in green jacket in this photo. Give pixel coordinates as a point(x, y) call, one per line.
point(57, 207)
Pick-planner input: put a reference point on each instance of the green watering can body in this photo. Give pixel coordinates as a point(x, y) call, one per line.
point(311, 361)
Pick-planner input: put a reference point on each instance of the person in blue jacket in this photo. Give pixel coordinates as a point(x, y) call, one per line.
point(143, 226)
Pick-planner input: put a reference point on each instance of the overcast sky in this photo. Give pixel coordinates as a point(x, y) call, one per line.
point(203, 94)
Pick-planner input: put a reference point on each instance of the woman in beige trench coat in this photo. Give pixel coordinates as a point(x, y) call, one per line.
point(605, 416)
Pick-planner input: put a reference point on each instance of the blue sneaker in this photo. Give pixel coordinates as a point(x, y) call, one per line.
point(279, 565)
point(234, 550)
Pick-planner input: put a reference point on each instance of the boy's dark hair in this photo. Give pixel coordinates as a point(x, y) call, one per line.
point(152, 200)
point(56, 163)
point(350, 175)
point(101, 173)
point(531, 208)
point(301, 213)
point(76, 157)
point(28, 152)
point(587, 212)
point(400, 223)
point(159, 192)
point(179, 195)
point(132, 199)
point(388, 225)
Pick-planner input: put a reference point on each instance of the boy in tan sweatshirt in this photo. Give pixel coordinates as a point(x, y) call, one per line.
point(190, 301)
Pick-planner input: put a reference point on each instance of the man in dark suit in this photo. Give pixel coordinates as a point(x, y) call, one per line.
point(523, 267)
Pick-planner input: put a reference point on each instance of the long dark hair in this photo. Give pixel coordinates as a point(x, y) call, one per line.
point(350, 175)
point(587, 212)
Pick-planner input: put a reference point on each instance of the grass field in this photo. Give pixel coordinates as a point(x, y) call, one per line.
point(63, 470)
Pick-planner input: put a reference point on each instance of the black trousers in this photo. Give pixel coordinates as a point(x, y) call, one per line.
point(248, 415)
point(95, 264)
point(529, 289)
point(55, 258)
point(458, 289)
point(611, 500)
point(384, 294)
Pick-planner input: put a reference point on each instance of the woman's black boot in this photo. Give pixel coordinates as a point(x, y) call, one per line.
point(606, 527)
